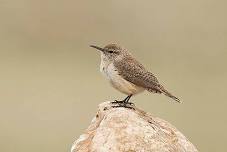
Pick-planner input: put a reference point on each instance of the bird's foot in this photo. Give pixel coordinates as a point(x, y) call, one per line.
point(123, 104)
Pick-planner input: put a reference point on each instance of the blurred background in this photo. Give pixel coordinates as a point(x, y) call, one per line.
point(50, 85)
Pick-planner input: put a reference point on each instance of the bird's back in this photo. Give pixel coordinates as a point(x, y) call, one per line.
point(134, 72)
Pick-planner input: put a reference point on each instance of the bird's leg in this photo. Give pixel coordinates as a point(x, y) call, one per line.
point(128, 98)
point(124, 103)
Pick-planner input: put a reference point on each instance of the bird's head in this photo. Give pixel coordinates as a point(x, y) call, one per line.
point(111, 51)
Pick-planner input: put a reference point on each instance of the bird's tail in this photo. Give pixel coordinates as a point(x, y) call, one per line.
point(165, 92)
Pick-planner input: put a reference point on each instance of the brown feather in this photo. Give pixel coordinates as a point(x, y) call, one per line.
point(134, 72)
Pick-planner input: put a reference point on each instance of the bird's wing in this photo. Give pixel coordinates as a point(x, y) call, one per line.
point(134, 72)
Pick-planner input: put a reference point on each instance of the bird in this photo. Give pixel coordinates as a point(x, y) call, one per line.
point(128, 75)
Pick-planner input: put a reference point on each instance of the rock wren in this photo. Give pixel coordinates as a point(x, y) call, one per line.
point(126, 74)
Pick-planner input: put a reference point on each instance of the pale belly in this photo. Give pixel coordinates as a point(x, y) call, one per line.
point(118, 82)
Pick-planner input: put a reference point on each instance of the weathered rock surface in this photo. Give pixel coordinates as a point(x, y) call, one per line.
point(127, 130)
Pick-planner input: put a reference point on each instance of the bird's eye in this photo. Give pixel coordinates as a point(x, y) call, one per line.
point(110, 51)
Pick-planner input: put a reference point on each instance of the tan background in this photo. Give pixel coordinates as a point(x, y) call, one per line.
point(50, 85)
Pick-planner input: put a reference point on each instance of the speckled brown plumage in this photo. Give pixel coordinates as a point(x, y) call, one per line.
point(126, 74)
point(134, 72)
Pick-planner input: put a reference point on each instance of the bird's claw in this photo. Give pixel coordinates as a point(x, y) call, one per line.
point(117, 102)
point(123, 104)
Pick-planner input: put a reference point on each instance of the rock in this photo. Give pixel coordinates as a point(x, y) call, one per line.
point(127, 130)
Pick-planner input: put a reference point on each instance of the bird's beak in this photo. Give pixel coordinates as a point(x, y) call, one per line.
point(98, 48)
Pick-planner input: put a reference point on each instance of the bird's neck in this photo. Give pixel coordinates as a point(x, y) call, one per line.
point(105, 62)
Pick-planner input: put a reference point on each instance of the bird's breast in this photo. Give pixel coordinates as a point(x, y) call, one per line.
point(117, 81)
